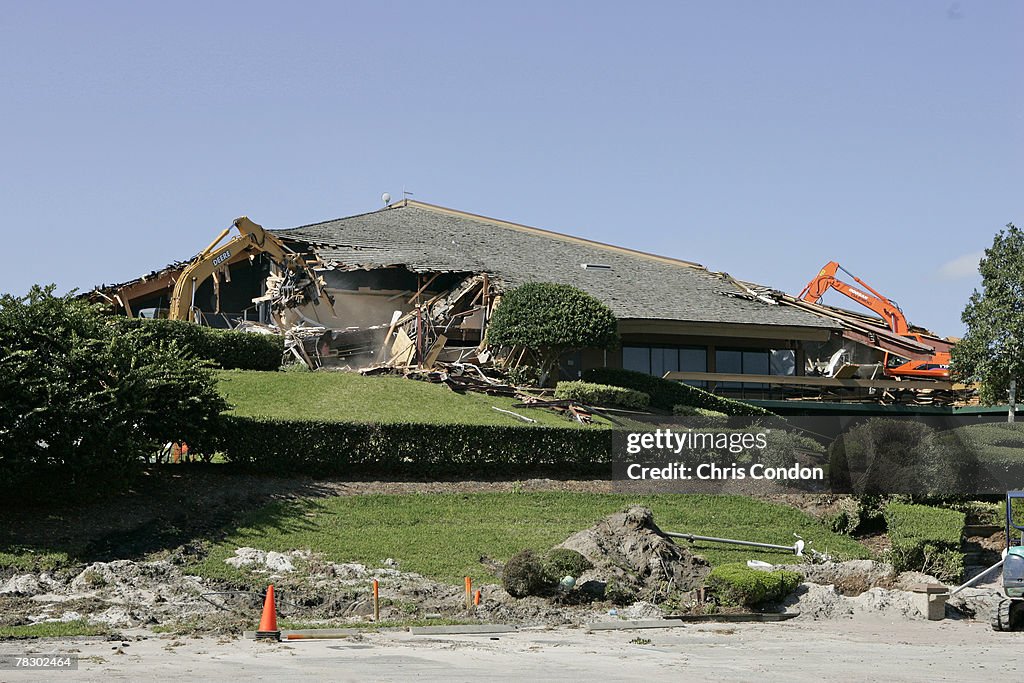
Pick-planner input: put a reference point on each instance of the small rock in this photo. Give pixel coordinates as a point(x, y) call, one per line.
point(278, 562)
point(245, 557)
point(22, 584)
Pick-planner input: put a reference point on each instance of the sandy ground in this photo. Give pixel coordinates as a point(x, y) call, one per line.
point(842, 650)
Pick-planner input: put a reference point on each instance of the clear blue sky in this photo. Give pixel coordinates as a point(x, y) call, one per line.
point(759, 138)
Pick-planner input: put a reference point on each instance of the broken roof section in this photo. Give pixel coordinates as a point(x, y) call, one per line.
point(636, 285)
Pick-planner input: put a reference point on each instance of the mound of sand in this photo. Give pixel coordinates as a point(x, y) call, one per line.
point(629, 549)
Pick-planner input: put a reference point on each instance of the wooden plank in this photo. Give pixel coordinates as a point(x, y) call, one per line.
point(387, 338)
point(799, 380)
point(847, 371)
point(435, 351)
point(421, 289)
point(403, 348)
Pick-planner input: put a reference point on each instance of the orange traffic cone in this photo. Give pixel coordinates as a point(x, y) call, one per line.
point(268, 622)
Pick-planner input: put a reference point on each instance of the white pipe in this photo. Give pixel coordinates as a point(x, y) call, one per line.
point(976, 578)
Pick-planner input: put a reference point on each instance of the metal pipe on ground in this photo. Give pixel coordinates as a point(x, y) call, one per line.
point(797, 548)
point(977, 578)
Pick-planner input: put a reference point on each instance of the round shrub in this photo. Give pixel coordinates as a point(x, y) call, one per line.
point(552, 319)
point(526, 574)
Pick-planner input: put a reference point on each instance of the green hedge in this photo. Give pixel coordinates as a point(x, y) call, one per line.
point(690, 411)
point(603, 394)
point(344, 448)
point(926, 539)
point(667, 394)
point(227, 349)
point(737, 584)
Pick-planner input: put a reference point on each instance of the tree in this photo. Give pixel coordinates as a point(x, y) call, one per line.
point(86, 403)
point(992, 352)
point(550, 320)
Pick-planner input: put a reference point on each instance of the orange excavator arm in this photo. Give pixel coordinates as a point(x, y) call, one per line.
point(935, 367)
point(826, 279)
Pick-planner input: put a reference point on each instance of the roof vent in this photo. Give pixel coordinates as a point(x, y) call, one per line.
point(595, 266)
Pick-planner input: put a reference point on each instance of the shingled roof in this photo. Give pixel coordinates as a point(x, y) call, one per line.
point(636, 285)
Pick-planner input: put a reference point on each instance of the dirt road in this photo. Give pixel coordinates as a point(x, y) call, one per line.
point(843, 650)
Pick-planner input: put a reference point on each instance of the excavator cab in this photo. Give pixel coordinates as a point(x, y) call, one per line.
point(898, 366)
point(1009, 614)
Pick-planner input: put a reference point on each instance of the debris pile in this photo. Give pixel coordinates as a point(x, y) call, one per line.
point(633, 558)
point(120, 593)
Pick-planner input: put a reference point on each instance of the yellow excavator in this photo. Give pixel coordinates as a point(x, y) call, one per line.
point(252, 239)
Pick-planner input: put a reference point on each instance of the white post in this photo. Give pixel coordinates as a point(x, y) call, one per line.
point(1011, 415)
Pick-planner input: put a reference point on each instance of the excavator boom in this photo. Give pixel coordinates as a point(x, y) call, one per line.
point(251, 239)
point(936, 367)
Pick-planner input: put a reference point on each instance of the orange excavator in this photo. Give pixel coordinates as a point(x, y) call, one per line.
point(934, 367)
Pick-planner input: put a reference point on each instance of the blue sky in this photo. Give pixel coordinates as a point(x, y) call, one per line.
point(759, 138)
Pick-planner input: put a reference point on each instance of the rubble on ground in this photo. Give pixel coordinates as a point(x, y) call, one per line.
point(637, 572)
point(628, 550)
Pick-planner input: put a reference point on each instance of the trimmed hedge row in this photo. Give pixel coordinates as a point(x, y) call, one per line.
point(737, 584)
point(228, 349)
point(603, 394)
point(343, 448)
point(926, 539)
point(690, 411)
point(667, 394)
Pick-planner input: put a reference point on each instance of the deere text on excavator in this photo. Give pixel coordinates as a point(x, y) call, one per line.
point(298, 283)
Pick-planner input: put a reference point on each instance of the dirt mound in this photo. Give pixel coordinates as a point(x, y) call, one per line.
point(814, 601)
point(849, 578)
point(631, 555)
point(120, 593)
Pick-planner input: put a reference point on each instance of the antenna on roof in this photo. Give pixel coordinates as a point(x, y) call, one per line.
point(386, 198)
point(405, 194)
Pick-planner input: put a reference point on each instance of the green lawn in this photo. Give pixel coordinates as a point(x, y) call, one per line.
point(444, 535)
point(54, 629)
point(345, 396)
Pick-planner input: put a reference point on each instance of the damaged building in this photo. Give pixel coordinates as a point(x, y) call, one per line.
point(415, 284)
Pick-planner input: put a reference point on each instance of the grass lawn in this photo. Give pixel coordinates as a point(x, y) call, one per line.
point(54, 629)
point(443, 535)
point(345, 396)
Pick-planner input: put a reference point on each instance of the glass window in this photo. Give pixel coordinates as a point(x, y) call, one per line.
point(730, 362)
point(755, 363)
point(693, 360)
point(637, 359)
point(664, 360)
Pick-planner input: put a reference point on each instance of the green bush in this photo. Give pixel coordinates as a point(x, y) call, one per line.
point(889, 456)
point(602, 394)
point(857, 514)
point(737, 584)
point(690, 411)
point(926, 539)
point(550, 320)
point(526, 574)
point(667, 394)
point(227, 349)
point(85, 403)
point(317, 447)
point(565, 562)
